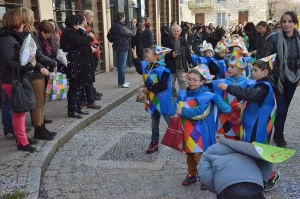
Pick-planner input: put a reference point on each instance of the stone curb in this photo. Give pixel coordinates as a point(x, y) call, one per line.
point(45, 154)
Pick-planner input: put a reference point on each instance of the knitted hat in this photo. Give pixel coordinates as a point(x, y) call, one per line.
point(207, 46)
point(162, 51)
point(236, 58)
point(270, 59)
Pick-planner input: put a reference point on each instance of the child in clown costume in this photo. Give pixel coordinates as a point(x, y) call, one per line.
point(158, 87)
point(207, 51)
point(235, 68)
point(196, 107)
point(260, 110)
point(217, 65)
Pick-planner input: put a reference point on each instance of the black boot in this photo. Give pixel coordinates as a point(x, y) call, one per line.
point(27, 147)
point(31, 141)
point(47, 121)
point(51, 133)
point(39, 133)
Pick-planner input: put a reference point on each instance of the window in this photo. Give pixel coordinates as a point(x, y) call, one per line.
point(221, 1)
point(221, 21)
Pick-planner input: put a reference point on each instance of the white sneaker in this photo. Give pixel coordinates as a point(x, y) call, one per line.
point(127, 83)
point(124, 86)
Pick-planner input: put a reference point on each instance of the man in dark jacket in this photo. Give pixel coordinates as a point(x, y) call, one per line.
point(72, 42)
point(121, 44)
point(177, 60)
point(87, 72)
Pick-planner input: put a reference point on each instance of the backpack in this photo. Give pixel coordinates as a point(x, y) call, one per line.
point(110, 36)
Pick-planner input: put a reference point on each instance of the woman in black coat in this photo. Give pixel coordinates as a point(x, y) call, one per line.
point(72, 42)
point(147, 39)
point(263, 31)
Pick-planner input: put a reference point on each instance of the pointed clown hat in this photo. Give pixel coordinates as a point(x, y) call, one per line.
point(270, 59)
point(162, 51)
point(236, 58)
point(221, 46)
point(204, 71)
point(207, 46)
point(237, 41)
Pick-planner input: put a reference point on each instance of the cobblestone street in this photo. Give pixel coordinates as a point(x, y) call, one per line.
point(107, 159)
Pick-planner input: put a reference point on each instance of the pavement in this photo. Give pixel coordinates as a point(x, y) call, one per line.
point(21, 171)
point(107, 160)
point(103, 155)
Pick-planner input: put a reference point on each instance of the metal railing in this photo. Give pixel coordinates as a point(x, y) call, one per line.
point(195, 4)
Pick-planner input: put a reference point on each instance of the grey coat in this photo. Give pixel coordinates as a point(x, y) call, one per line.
point(221, 166)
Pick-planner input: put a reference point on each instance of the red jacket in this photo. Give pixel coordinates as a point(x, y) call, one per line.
point(94, 42)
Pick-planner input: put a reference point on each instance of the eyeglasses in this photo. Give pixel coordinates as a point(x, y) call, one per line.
point(192, 80)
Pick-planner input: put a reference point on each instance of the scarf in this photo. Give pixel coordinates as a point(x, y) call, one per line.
point(46, 45)
point(282, 52)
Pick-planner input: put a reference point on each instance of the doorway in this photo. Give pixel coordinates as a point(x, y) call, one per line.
point(243, 16)
point(200, 18)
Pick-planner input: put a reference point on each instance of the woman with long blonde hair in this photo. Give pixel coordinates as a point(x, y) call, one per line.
point(38, 85)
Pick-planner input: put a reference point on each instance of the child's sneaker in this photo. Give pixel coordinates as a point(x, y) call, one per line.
point(203, 187)
point(153, 146)
point(272, 183)
point(190, 179)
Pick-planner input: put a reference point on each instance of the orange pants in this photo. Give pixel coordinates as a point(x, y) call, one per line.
point(192, 160)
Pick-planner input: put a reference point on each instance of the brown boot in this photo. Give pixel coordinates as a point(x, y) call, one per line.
point(93, 106)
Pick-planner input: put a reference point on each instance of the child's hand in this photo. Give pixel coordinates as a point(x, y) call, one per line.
point(134, 52)
point(191, 66)
point(222, 86)
point(146, 90)
point(178, 112)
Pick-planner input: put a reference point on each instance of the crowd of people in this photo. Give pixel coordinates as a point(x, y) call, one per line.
point(249, 73)
point(80, 43)
point(242, 71)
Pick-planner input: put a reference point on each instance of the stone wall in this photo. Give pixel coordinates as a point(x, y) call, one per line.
point(257, 10)
point(185, 13)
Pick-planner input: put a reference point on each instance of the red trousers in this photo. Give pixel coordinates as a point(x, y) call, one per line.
point(18, 119)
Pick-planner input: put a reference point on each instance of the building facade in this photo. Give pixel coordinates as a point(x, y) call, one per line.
point(159, 12)
point(226, 12)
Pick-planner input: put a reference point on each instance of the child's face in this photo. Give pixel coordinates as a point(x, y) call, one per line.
point(194, 81)
point(258, 74)
point(222, 54)
point(234, 71)
point(209, 53)
point(150, 56)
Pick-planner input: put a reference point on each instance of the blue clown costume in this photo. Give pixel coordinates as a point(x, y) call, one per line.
point(224, 125)
point(260, 110)
point(198, 120)
point(196, 59)
point(158, 82)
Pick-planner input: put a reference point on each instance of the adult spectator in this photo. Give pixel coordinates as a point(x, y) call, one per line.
point(89, 15)
point(121, 44)
point(55, 37)
point(277, 26)
point(250, 30)
point(187, 34)
point(72, 42)
point(197, 38)
point(39, 83)
point(147, 37)
point(87, 74)
point(263, 31)
point(215, 37)
point(286, 43)
point(237, 31)
point(11, 39)
point(177, 60)
point(165, 33)
point(136, 41)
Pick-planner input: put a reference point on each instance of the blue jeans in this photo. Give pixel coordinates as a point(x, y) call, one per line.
point(244, 190)
point(283, 103)
point(155, 119)
point(121, 64)
point(6, 114)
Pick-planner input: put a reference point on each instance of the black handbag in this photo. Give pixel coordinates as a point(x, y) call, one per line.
point(22, 97)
